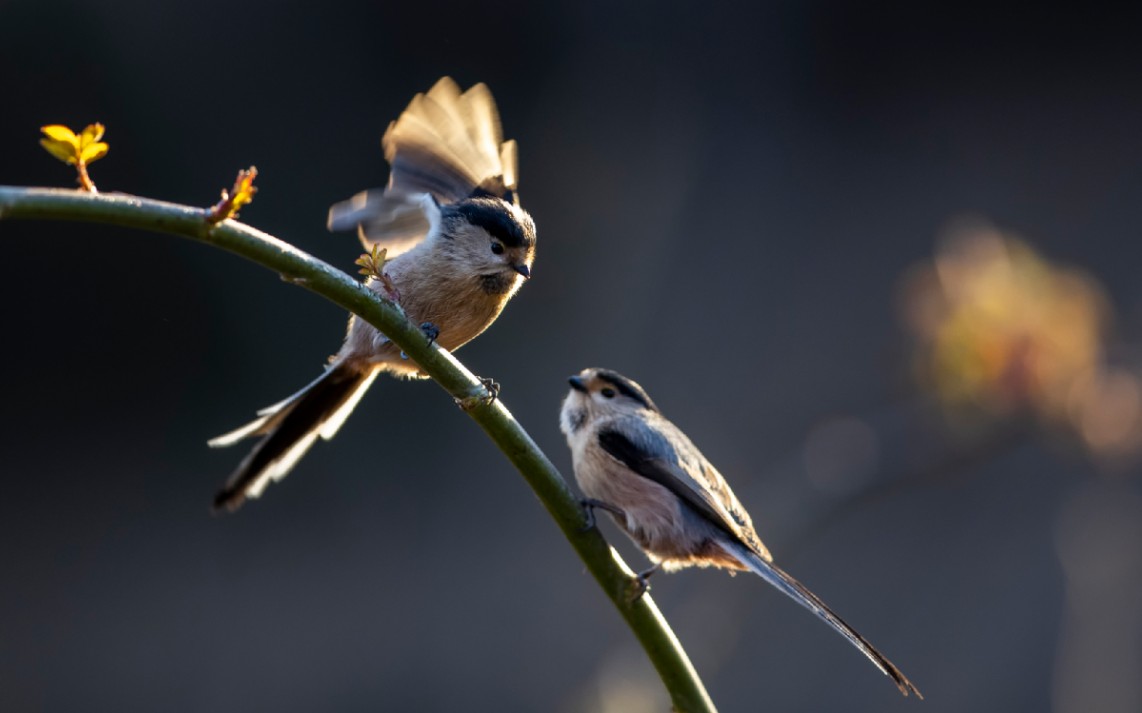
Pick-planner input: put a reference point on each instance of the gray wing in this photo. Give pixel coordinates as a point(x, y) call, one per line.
point(656, 449)
point(447, 145)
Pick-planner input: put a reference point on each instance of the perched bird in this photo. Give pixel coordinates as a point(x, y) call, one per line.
point(458, 244)
point(661, 490)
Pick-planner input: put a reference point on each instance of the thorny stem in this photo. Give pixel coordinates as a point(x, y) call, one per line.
point(686, 690)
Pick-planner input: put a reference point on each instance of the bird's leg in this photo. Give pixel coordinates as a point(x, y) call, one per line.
point(639, 584)
point(589, 504)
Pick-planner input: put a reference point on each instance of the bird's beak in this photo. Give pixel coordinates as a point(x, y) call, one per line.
point(577, 384)
point(523, 270)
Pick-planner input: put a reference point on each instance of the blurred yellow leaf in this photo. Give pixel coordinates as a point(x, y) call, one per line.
point(64, 152)
point(373, 263)
point(58, 132)
point(78, 151)
point(89, 145)
point(93, 152)
point(91, 133)
point(61, 142)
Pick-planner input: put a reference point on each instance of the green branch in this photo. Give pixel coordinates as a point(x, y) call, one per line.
point(643, 617)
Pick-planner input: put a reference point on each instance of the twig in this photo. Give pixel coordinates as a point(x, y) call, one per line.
point(232, 200)
point(296, 267)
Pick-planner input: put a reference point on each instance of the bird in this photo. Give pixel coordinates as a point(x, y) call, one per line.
point(632, 462)
point(458, 247)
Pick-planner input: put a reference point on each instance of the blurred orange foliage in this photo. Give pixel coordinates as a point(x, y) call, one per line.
point(1001, 333)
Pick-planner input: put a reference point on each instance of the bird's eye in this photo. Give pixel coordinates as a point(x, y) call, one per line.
point(498, 248)
point(608, 392)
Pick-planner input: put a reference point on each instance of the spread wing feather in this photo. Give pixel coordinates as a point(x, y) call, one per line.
point(448, 145)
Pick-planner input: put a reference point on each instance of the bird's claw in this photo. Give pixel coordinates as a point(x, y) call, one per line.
point(490, 393)
point(492, 387)
point(636, 588)
point(591, 522)
point(431, 331)
point(640, 584)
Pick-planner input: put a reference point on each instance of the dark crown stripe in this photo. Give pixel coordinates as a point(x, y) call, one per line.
point(493, 215)
point(626, 387)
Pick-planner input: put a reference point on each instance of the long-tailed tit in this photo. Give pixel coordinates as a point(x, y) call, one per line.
point(459, 247)
point(661, 490)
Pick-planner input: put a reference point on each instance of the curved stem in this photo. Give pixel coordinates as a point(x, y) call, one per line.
point(643, 617)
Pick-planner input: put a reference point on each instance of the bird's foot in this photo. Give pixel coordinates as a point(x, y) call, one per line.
point(640, 584)
point(430, 331)
point(492, 387)
point(489, 393)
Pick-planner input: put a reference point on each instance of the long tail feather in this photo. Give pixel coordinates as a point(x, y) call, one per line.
point(800, 593)
point(289, 428)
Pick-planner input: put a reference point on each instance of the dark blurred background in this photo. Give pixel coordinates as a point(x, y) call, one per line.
point(734, 203)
